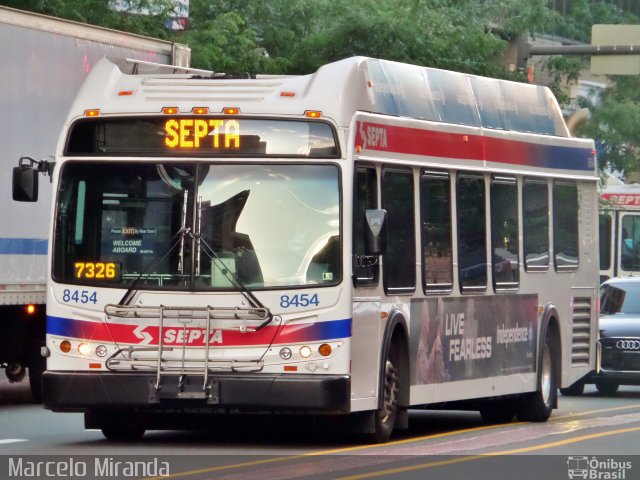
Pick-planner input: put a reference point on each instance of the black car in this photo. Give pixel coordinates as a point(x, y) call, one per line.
point(619, 342)
point(619, 339)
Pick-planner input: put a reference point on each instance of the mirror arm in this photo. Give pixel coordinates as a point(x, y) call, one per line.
point(43, 166)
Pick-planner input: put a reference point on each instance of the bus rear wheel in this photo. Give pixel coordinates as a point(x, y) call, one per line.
point(537, 406)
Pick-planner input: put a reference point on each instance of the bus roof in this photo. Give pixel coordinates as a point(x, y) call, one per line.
point(338, 90)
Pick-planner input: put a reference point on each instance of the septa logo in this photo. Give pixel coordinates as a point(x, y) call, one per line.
point(373, 136)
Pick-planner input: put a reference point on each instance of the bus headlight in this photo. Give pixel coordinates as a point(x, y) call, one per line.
point(84, 349)
point(101, 351)
point(305, 352)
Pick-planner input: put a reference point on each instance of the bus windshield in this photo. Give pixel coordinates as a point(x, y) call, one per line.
point(197, 226)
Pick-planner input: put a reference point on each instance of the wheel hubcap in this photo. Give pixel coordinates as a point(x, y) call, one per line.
point(390, 402)
point(545, 375)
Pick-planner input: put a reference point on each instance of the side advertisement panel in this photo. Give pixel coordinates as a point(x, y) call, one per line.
point(473, 337)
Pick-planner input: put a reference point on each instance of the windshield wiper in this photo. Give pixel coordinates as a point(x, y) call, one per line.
point(177, 239)
point(232, 277)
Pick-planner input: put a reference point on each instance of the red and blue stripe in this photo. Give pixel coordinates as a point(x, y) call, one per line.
point(448, 145)
point(132, 334)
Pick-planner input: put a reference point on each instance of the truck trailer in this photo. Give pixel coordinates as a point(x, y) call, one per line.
point(44, 60)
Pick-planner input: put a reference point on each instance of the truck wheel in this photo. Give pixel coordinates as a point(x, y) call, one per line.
point(385, 416)
point(537, 406)
point(15, 372)
point(36, 369)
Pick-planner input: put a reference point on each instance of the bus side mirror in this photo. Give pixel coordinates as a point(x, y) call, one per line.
point(25, 184)
point(376, 232)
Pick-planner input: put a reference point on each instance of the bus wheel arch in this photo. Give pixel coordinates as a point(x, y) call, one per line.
point(537, 406)
point(393, 387)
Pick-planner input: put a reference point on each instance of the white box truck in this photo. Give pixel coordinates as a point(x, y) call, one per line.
point(44, 61)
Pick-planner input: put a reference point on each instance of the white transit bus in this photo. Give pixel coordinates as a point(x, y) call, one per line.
point(357, 242)
point(619, 230)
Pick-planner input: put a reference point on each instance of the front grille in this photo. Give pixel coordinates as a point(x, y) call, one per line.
point(618, 359)
point(227, 91)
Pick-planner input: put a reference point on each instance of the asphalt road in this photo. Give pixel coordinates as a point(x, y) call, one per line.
point(590, 436)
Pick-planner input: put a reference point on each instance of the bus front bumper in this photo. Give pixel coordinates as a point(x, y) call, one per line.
point(84, 391)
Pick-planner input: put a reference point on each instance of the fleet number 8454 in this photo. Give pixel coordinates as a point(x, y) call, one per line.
point(79, 296)
point(299, 300)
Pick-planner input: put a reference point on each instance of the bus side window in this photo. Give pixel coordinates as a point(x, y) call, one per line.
point(435, 209)
point(535, 225)
point(472, 239)
point(565, 226)
point(399, 264)
point(605, 223)
point(504, 233)
point(365, 268)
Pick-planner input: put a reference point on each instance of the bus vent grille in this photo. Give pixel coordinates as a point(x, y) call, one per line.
point(209, 90)
point(581, 331)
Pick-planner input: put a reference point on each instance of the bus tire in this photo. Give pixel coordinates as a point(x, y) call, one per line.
point(120, 426)
point(123, 433)
point(537, 406)
point(385, 416)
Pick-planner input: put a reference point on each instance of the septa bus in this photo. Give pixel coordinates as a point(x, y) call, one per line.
point(357, 242)
point(619, 230)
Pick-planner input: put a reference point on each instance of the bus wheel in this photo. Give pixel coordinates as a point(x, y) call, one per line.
point(123, 433)
point(537, 406)
point(385, 416)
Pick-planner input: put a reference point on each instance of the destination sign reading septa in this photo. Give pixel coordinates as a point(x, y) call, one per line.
point(195, 133)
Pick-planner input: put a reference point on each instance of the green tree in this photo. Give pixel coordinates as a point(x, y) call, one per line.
point(614, 124)
point(99, 12)
point(616, 115)
point(299, 36)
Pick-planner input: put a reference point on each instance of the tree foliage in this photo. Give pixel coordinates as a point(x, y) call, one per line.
point(614, 124)
point(98, 12)
point(297, 36)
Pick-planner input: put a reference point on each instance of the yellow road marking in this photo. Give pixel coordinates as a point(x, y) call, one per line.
point(418, 439)
point(440, 463)
point(325, 452)
point(591, 412)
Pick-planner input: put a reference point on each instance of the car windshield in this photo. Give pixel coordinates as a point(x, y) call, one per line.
point(620, 298)
point(197, 227)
